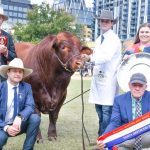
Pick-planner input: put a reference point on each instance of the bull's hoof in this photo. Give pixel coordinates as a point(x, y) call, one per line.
point(51, 138)
point(39, 141)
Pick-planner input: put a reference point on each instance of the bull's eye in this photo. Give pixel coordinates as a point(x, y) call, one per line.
point(65, 48)
point(68, 49)
point(62, 46)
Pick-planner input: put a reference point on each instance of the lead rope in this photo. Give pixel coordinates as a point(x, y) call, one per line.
point(82, 118)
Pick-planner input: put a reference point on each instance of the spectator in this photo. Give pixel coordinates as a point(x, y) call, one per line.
point(7, 49)
point(142, 41)
point(17, 105)
point(125, 110)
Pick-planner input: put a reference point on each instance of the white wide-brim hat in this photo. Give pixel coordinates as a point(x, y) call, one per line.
point(15, 63)
point(2, 14)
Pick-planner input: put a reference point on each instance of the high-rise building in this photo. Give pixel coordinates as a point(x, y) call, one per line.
point(77, 8)
point(131, 14)
point(16, 10)
point(81, 13)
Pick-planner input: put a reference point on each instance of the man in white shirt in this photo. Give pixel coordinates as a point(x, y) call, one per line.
point(106, 59)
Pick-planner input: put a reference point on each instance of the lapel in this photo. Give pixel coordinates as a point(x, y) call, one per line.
point(20, 95)
point(21, 92)
point(4, 92)
point(145, 104)
point(128, 106)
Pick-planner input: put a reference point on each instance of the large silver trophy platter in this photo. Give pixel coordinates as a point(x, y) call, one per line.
point(136, 63)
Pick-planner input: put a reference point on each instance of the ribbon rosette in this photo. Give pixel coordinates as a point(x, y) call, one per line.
point(3, 40)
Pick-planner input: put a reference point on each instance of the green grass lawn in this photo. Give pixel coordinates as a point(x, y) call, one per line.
point(69, 124)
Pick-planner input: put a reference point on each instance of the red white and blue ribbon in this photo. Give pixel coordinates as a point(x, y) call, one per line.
point(128, 131)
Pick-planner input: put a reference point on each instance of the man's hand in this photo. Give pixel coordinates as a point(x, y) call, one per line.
point(125, 57)
point(17, 123)
point(12, 131)
point(101, 145)
point(90, 64)
point(85, 57)
point(3, 48)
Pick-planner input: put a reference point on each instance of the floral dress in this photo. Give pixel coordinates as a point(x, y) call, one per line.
point(137, 48)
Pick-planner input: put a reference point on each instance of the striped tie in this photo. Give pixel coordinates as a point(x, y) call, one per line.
point(138, 140)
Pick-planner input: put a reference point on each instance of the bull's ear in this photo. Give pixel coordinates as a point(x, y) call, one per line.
point(52, 41)
point(86, 50)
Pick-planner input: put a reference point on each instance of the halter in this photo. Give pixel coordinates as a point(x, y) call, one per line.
point(64, 65)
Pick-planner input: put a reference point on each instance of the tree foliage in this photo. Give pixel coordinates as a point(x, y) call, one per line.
point(43, 20)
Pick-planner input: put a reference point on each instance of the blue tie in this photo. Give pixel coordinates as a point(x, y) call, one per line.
point(102, 38)
point(15, 102)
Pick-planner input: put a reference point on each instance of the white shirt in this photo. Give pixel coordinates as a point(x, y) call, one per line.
point(10, 103)
point(107, 57)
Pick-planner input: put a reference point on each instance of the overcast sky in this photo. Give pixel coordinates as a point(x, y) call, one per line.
point(88, 2)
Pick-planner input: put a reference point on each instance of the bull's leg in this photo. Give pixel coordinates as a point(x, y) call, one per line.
point(52, 134)
point(53, 115)
point(39, 136)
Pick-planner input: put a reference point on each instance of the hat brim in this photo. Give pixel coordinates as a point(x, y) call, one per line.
point(5, 68)
point(4, 17)
point(114, 20)
point(137, 81)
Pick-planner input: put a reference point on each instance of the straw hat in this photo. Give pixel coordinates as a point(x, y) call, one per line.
point(108, 15)
point(15, 63)
point(2, 14)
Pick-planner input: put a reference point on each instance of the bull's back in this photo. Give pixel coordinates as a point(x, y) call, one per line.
point(22, 49)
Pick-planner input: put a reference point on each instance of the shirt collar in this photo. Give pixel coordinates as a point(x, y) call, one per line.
point(10, 86)
point(107, 33)
point(135, 98)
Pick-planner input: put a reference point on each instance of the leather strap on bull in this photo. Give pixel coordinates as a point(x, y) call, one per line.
point(64, 65)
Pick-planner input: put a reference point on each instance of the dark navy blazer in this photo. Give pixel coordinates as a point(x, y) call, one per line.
point(122, 110)
point(11, 51)
point(26, 105)
point(11, 48)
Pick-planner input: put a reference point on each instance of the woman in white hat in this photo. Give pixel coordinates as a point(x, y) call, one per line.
point(17, 105)
point(7, 49)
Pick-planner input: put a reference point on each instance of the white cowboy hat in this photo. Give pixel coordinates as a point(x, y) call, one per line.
point(15, 63)
point(2, 14)
point(108, 15)
point(136, 63)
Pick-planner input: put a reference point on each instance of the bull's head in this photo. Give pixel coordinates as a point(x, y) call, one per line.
point(69, 51)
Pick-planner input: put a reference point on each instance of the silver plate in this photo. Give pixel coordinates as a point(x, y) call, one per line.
point(137, 63)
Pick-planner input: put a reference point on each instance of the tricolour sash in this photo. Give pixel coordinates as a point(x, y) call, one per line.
point(128, 131)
